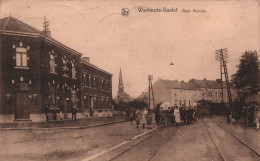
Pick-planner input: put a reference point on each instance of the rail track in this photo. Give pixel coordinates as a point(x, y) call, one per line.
point(233, 136)
point(169, 135)
point(239, 139)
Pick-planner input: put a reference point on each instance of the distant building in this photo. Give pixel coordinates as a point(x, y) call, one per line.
point(162, 91)
point(211, 90)
point(184, 93)
point(121, 94)
point(188, 93)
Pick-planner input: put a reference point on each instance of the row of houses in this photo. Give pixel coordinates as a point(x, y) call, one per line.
point(37, 71)
point(188, 93)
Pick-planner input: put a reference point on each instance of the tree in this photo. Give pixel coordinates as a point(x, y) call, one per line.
point(247, 75)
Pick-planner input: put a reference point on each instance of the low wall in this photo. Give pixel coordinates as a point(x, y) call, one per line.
point(7, 118)
point(119, 113)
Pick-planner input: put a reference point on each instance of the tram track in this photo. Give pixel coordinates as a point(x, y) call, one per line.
point(239, 139)
point(169, 135)
point(221, 152)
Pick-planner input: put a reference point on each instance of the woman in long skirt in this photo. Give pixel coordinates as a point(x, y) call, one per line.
point(137, 119)
point(177, 115)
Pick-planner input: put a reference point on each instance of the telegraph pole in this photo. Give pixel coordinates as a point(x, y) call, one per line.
point(222, 55)
point(150, 78)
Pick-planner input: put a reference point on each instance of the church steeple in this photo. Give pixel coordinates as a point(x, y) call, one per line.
point(120, 84)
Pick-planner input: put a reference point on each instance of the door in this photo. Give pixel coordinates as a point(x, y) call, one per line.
point(22, 109)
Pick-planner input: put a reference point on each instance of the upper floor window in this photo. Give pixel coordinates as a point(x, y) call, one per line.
point(73, 70)
point(21, 57)
point(65, 66)
point(52, 63)
point(89, 80)
point(84, 79)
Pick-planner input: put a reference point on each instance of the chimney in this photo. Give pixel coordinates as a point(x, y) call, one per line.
point(182, 81)
point(48, 33)
point(86, 59)
point(204, 79)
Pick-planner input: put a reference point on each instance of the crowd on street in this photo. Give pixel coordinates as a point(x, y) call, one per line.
point(249, 114)
point(173, 116)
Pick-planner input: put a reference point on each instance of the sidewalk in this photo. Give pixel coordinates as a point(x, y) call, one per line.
point(66, 144)
point(80, 123)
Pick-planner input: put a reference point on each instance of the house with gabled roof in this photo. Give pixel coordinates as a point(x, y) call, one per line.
point(40, 76)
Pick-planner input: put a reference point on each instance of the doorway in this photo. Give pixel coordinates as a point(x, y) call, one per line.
point(22, 109)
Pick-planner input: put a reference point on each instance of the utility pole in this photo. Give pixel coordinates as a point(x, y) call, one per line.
point(150, 78)
point(222, 55)
point(45, 25)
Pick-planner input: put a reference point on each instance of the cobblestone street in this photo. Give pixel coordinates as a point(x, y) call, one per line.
point(115, 142)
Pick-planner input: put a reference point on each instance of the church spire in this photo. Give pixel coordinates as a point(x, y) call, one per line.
point(120, 84)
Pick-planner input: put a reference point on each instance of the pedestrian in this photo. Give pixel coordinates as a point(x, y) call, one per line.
point(137, 119)
point(257, 115)
point(74, 112)
point(157, 115)
point(244, 109)
point(251, 114)
point(177, 115)
point(143, 118)
point(127, 114)
point(47, 112)
point(172, 120)
point(132, 114)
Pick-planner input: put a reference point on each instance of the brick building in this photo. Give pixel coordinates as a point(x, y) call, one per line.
point(36, 71)
point(96, 90)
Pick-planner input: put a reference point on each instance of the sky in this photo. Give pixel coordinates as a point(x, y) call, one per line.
point(145, 44)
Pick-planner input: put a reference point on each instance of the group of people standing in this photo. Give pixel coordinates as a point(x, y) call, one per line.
point(175, 116)
point(251, 114)
point(142, 117)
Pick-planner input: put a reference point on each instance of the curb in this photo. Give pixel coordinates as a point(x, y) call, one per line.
point(57, 128)
point(124, 142)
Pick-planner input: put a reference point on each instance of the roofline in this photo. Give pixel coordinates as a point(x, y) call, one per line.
point(7, 32)
point(95, 67)
point(187, 89)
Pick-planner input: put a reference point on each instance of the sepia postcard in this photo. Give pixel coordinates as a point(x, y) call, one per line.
point(129, 80)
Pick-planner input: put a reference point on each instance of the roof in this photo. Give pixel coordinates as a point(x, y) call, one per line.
point(207, 83)
point(13, 25)
point(95, 67)
point(174, 84)
point(143, 95)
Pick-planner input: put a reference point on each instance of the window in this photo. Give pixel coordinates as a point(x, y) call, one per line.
point(52, 63)
point(95, 78)
point(84, 79)
point(53, 94)
point(8, 99)
point(89, 80)
point(73, 70)
point(175, 94)
point(65, 66)
point(35, 99)
point(74, 97)
point(21, 57)
point(107, 103)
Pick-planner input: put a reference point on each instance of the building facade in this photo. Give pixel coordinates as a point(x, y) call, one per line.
point(185, 94)
point(96, 90)
point(36, 72)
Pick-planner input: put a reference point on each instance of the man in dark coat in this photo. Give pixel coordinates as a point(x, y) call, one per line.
point(74, 112)
point(47, 112)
